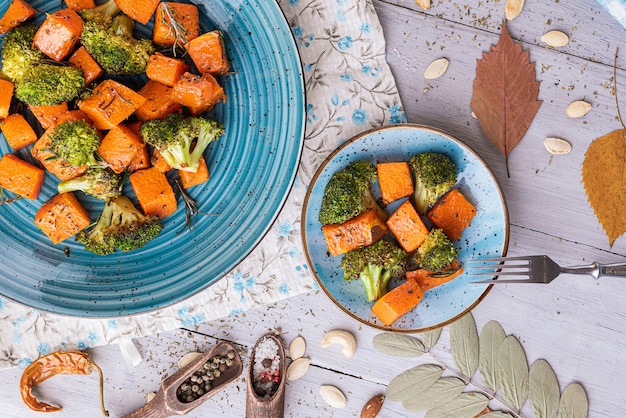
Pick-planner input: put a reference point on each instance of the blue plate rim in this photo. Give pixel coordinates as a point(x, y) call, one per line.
point(299, 128)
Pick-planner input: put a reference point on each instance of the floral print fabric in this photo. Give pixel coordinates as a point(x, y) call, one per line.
point(349, 89)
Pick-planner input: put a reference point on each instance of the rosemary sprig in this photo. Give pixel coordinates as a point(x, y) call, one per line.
point(175, 28)
point(191, 207)
point(4, 200)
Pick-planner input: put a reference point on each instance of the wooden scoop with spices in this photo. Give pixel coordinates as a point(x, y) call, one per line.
point(194, 383)
point(266, 379)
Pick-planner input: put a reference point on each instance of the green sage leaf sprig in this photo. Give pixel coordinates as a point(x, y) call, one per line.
point(442, 391)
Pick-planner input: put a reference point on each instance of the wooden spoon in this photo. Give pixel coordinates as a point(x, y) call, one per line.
point(166, 403)
point(266, 406)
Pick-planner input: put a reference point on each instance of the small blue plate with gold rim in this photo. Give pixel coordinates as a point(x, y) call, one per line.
point(487, 235)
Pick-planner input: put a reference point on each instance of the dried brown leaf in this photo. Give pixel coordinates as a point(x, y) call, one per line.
point(505, 93)
point(604, 178)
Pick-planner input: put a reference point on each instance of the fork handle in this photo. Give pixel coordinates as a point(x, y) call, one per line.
point(597, 270)
point(612, 270)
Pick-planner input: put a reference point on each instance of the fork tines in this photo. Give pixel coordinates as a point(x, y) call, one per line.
point(515, 266)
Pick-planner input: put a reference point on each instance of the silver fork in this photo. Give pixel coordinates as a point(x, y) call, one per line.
point(536, 269)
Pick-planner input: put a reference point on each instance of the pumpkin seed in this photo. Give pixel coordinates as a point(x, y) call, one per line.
point(297, 348)
point(557, 146)
point(333, 396)
point(298, 368)
point(424, 4)
point(187, 358)
point(577, 109)
point(513, 8)
point(555, 38)
point(436, 69)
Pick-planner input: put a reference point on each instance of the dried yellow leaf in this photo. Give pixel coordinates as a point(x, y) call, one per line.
point(604, 178)
point(424, 4)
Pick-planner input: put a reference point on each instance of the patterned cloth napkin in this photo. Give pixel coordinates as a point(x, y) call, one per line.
point(349, 89)
point(617, 8)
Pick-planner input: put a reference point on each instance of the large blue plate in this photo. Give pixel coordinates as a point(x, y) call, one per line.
point(252, 169)
point(487, 235)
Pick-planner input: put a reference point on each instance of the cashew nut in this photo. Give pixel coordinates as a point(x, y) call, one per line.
point(341, 337)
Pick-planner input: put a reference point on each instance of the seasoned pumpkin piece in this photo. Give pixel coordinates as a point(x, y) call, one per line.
point(80, 4)
point(159, 162)
point(17, 131)
point(19, 11)
point(208, 54)
point(428, 279)
point(58, 34)
point(407, 226)
point(199, 93)
point(41, 150)
point(83, 60)
point(20, 177)
point(398, 302)
point(395, 181)
point(158, 103)
point(48, 115)
point(189, 179)
point(141, 160)
point(154, 193)
point(165, 70)
point(119, 147)
point(364, 229)
point(62, 217)
point(6, 94)
point(170, 18)
point(110, 104)
point(452, 213)
point(141, 11)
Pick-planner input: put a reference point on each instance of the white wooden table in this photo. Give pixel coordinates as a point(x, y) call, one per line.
point(576, 324)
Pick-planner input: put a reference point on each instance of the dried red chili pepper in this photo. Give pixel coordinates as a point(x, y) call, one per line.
point(61, 362)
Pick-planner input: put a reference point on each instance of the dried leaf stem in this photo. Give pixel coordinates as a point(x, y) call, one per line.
point(469, 382)
point(619, 115)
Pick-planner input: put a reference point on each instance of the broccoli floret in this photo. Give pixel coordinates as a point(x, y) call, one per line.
point(436, 253)
point(434, 175)
point(375, 265)
point(120, 226)
point(76, 142)
point(181, 139)
point(18, 52)
point(348, 194)
point(50, 84)
point(102, 183)
point(108, 36)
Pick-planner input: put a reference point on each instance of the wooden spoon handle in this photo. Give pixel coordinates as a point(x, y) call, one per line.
point(156, 408)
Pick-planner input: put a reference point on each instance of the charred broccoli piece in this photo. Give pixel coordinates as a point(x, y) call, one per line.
point(181, 139)
point(99, 182)
point(120, 226)
point(375, 265)
point(436, 253)
point(348, 194)
point(46, 84)
point(434, 175)
point(108, 36)
point(76, 142)
point(18, 52)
